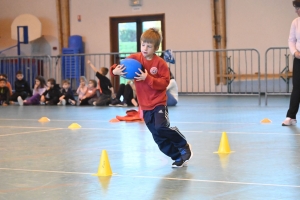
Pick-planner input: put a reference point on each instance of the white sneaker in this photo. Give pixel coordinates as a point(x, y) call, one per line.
point(289, 122)
point(59, 103)
point(63, 102)
point(20, 101)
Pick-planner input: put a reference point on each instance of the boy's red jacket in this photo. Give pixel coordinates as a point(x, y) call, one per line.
point(152, 91)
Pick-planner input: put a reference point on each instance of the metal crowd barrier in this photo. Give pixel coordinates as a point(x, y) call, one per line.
point(277, 73)
point(31, 66)
point(200, 72)
point(218, 72)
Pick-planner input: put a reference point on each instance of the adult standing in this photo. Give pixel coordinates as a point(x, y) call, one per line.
point(294, 45)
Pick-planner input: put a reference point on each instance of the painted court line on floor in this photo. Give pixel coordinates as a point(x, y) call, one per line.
point(44, 127)
point(54, 120)
point(145, 130)
point(28, 132)
point(161, 178)
point(33, 127)
point(260, 133)
point(213, 123)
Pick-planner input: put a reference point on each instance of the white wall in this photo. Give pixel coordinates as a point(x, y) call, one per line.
point(250, 24)
point(187, 24)
point(44, 10)
point(258, 24)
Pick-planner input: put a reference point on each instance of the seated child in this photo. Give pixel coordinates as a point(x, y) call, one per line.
point(105, 87)
point(90, 93)
point(38, 90)
point(52, 94)
point(67, 94)
point(22, 87)
point(172, 91)
point(82, 88)
point(7, 83)
point(4, 92)
point(128, 92)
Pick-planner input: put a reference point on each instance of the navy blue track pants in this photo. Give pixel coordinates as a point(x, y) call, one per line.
point(168, 139)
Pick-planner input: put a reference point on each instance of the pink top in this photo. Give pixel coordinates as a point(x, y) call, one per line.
point(81, 91)
point(91, 93)
point(39, 91)
point(294, 37)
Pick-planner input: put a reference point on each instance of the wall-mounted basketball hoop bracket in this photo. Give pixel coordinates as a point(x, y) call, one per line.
point(22, 32)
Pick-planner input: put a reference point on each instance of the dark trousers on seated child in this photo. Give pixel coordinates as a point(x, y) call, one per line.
point(68, 96)
point(102, 100)
point(86, 101)
point(168, 139)
point(14, 96)
point(4, 95)
point(171, 101)
point(52, 101)
point(3, 100)
point(127, 93)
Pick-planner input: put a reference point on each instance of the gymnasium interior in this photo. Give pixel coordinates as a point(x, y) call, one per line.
point(233, 68)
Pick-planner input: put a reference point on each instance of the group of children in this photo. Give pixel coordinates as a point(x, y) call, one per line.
point(49, 93)
point(89, 92)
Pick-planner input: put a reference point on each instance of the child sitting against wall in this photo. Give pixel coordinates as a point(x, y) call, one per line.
point(4, 76)
point(91, 93)
point(172, 91)
point(4, 92)
point(128, 92)
point(104, 86)
point(81, 90)
point(22, 88)
point(52, 94)
point(39, 88)
point(67, 96)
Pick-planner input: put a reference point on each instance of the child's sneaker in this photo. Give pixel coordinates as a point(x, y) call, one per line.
point(114, 102)
point(72, 102)
point(59, 103)
point(178, 163)
point(63, 102)
point(20, 101)
point(289, 122)
point(122, 104)
point(42, 103)
point(186, 153)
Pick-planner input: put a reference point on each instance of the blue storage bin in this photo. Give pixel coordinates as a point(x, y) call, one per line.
point(73, 66)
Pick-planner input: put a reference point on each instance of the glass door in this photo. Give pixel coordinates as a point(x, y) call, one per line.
point(128, 30)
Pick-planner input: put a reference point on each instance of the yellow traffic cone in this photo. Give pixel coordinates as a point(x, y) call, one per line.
point(74, 126)
point(224, 145)
point(265, 121)
point(44, 119)
point(104, 166)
